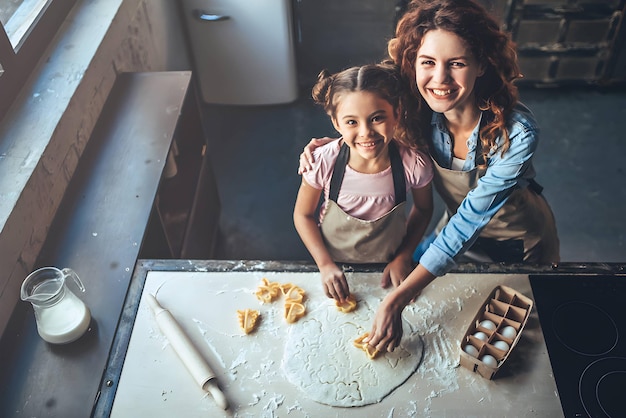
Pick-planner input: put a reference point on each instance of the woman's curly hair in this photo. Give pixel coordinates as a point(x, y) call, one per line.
point(494, 91)
point(383, 79)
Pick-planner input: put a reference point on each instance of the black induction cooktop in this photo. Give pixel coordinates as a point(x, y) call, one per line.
point(583, 318)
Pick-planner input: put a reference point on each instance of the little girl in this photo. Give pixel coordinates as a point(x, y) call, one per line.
point(365, 177)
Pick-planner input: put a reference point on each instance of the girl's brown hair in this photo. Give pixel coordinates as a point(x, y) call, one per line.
point(382, 79)
point(494, 91)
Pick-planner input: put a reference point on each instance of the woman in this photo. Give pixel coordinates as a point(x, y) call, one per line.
point(481, 140)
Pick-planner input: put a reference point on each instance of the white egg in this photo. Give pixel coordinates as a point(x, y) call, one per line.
point(488, 325)
point(471, 350)
point(508, 332)
point(481, 336)
point(489, 360)
point(501, 345)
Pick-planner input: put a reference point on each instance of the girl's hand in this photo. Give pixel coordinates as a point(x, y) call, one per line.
point(396, 271)
point(306, 158)
point(334, 283)
point(386, 330)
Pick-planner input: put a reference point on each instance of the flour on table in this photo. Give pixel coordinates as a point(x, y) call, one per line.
point(322, 361)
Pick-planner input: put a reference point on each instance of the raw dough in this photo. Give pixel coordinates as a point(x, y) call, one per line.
point(248, 319)
point(294, 311)
point(322, 361)
point(267, 291)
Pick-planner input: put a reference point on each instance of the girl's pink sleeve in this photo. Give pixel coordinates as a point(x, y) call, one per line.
point(316, 177)
point(418, 168)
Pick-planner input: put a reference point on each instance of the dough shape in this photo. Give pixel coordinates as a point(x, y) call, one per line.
point(294, 311)
point(267, 291)
point(348, 306)
point(321, 360)
point(247, 319)
point(292, 293)
point(371, 352)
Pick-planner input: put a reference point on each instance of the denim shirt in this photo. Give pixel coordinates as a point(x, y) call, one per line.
point(503, 175)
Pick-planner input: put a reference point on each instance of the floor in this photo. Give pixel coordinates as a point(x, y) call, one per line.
point(255, 150)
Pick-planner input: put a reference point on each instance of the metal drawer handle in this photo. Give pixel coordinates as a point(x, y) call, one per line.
point(199, 14)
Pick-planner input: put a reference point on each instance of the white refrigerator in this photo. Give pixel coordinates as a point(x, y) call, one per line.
point(243, 50)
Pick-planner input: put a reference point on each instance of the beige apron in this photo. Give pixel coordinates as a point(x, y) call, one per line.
point(352, 240)
point(525, 218)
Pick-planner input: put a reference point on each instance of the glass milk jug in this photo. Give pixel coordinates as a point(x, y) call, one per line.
point(61, 316)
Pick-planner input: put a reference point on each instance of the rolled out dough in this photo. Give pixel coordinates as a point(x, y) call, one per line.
point(322, 361)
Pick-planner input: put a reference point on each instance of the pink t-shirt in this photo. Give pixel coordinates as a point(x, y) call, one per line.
point(366, 196)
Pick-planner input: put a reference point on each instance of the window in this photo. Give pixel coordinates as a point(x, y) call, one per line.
point(27, 28)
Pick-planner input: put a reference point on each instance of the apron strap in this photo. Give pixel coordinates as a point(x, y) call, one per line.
point(480, 159)
point(397, 171)
point(338, 172)
point(534, 186)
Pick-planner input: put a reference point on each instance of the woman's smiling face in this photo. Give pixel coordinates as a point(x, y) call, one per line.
point(445, 71)
point(366, 122)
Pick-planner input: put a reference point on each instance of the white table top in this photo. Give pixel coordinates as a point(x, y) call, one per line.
point(155, 383)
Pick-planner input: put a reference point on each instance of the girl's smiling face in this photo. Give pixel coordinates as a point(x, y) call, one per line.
point(446, 71)
point(367, 123)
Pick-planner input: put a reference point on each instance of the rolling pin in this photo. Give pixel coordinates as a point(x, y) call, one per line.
point(189, 355)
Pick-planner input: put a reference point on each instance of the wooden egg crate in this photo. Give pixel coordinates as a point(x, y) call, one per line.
point(504, 308)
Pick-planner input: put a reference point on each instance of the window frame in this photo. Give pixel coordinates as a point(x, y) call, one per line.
point(19, 64)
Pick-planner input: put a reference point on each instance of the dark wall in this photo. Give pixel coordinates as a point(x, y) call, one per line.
point(335, 34)
point(559, 41)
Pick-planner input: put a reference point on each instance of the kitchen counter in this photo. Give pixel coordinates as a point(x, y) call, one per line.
point(144, 377)
point(98, 232)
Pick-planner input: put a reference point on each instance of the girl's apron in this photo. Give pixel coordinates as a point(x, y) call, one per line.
point(522, 230)
point(352, 240)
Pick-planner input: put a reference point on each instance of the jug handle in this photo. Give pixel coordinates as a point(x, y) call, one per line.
point(73, 275)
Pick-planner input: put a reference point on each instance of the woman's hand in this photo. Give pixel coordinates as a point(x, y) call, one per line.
point(306, 158)
point(386, 330)
point(334, 282)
